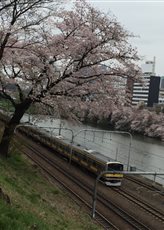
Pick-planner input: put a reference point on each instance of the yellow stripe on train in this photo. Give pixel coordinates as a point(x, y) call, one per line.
point(93, 168)
point(84, 163)
point(113, 175)
point(75, 158)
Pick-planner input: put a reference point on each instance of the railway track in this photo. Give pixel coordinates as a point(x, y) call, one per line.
point(147, 207)
point(151, 186)
point(101, 219)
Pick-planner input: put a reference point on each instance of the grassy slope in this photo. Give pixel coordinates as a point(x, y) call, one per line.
point(35, 203)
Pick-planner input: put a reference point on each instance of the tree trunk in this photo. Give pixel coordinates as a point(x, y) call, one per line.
point(10, 127)
point(6, 139)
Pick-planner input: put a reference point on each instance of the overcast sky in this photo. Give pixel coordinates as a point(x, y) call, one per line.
point(146, 20)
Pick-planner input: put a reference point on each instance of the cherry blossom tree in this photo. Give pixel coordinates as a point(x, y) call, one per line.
point(139, 120)
point(19, 21)
point(70, 58)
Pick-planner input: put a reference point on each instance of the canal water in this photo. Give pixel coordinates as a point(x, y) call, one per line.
point(137, 152)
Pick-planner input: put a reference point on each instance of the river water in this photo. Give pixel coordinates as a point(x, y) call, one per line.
point(136, 152)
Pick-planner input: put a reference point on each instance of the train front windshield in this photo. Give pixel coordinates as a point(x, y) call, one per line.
point(115, 167)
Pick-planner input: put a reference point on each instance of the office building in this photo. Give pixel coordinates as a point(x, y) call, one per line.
point(147, 91)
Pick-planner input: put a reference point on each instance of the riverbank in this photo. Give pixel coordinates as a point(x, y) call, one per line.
point(133, 120)
point(136, 121)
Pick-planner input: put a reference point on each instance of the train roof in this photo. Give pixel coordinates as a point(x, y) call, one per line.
point(92, 152)
point(100, 156)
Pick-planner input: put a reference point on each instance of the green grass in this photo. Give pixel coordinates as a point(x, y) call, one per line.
point(35, 203)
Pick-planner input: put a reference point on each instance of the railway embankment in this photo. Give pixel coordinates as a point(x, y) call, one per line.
point(29, 201)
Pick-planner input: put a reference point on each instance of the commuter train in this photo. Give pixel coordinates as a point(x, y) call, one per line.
point(93, 161)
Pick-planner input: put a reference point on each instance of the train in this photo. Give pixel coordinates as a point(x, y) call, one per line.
point(89, 159)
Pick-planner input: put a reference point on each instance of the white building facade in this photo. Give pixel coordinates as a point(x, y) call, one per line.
point(161, 92)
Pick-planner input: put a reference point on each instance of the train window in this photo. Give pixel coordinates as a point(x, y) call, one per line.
point(90, 160)
point(115, 166)
point(94, 163)
point(75, 154)
point(83, 157)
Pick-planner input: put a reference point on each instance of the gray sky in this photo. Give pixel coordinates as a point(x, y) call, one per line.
point(146, 20)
